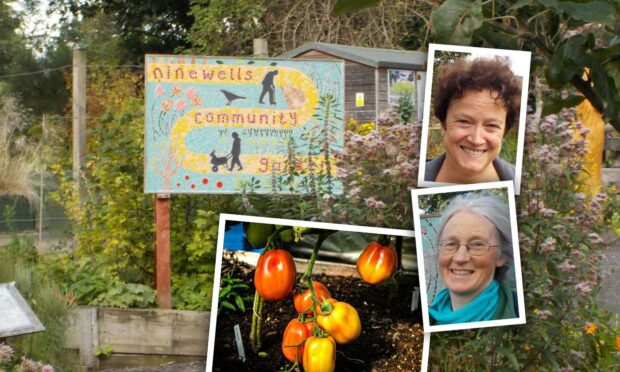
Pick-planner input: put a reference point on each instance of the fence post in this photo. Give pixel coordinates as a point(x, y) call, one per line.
point(79, 116)
point(88, 329)
point(261, 49)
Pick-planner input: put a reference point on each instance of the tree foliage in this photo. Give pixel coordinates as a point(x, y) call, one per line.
point(576, 43)
point(228, 27)
point(33, 81)
point(132, 28)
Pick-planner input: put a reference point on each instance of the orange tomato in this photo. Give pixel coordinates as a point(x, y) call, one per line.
point(275, 274)
point(342, 322)
point(303, 301)
point(295, 333)
point(377, 263)
point(320, 354)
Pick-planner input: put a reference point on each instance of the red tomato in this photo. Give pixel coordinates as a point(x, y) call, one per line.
point(303, 300)
point(376, 263)
point(275, 274)
point(294, 334)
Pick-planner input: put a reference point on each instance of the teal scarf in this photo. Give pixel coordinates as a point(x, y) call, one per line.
point(483, 307)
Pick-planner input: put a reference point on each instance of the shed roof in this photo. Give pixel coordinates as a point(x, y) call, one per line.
point(375, 57)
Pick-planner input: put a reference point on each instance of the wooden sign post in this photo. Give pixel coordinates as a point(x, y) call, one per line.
point(162, 250)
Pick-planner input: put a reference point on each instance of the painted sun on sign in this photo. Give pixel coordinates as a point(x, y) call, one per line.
point(222, 125)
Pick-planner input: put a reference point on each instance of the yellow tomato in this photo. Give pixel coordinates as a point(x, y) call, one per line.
point(342, 322)
point(320, 354)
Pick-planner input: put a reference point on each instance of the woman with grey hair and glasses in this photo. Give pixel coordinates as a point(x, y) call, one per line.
point(475, 250)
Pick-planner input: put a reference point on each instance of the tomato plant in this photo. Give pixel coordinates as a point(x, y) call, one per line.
point(340, 320)
point(303, 301)
point(320, 354)
point(377, 263)
point(296, 333)
point(275, 274)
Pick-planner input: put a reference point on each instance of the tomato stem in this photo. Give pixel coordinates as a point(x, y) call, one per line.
point(257, 322)
point(399, 252)
point(275, 235)
point(315, 252)
point(384, 240)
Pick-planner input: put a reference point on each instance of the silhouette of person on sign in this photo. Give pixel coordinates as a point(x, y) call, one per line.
point(268, 87)
point(235, 151)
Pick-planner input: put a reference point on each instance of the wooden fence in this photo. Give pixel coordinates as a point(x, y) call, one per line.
point(138, 333)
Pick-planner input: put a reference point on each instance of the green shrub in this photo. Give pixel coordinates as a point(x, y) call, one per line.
point(560, 255)
point(19, 262)
point(114, 224)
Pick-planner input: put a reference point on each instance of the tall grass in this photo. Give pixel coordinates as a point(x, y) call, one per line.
point(18, 155)
point(20, 263)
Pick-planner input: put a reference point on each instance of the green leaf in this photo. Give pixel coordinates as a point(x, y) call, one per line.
point(227, 305)
point(510, 356)
point(240, 304)
point(520, 4)
point(464, 32)
point(551, 358)
point(552, 269)
point(350, 6)
point(497, 39)
point(444, 19)
point(554, 104)
point(568, 60)
point(591, 11)
point(225, 291)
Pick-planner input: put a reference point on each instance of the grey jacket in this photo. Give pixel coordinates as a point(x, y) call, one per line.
point(505, 170)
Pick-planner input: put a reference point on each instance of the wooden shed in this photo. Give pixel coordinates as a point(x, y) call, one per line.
point(374, 77)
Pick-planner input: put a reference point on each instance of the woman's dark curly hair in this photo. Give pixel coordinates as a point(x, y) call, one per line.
point(454, 79)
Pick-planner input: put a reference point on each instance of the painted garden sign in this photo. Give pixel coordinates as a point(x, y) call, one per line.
point(216, 125)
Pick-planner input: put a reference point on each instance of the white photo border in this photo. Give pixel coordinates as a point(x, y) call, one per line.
point(277, 221)
point(508, 185)
point(512, 54)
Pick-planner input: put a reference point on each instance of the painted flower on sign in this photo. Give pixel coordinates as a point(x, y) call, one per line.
point(166, 105)
point(159, 91)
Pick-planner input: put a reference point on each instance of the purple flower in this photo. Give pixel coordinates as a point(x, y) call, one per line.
point(6, 353)
point(371, 202)
point(595, 238)
point(548, 245)
point(566, 266)
point(584, 287)
point(543, 314)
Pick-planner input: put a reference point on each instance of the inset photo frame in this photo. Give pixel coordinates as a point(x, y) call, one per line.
point(247, 300)
point(468, 256)
point(473, 124)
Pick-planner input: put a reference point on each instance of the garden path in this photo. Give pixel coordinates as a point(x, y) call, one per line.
point(609, 297)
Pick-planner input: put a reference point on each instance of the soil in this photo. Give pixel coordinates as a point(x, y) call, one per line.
point(391, 340)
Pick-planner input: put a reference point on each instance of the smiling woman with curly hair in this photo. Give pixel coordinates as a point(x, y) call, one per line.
point(477, 102)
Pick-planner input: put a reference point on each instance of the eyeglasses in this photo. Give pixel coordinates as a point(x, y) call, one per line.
point(474, 247)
